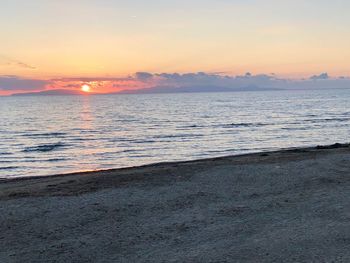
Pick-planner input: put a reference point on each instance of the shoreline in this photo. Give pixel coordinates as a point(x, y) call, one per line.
point(109, 178)
point(194, 161)
point(290, 205)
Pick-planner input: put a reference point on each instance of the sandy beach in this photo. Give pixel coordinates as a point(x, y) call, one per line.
point(284, 206)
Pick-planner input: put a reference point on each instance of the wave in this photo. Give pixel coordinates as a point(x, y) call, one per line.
point(136, 141)
point(184, 135)
point(9, 167)
point(5, 153)
point(298, 122)
point(190, 127)
point(327, 120)
point(56, 160)
point(84, 139)
point(46, 134)
point(297, 128)
point(245, 124)
point(44, 147)
point(155, 138)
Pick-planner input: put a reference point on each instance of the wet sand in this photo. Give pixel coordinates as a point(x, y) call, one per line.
point(284, 206)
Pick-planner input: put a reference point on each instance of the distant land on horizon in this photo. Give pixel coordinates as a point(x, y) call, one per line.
point(192, 89)
point(197, 84)
point(54, 92)
point(153, 90)
point(147, 83)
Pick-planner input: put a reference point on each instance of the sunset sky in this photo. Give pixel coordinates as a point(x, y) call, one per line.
point(104, 42)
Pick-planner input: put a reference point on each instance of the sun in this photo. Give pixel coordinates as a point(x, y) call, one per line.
point(85, 88)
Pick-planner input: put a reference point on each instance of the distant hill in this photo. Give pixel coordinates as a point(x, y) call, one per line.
point(158, 89)
point(52, 92)
point(192, 89)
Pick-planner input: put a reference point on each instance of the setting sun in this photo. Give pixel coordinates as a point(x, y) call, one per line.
point(85, 88)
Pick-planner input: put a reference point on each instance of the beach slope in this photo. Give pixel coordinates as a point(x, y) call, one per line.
point(284, 206)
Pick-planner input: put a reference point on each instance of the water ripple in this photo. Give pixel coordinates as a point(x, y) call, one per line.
point(44, 147)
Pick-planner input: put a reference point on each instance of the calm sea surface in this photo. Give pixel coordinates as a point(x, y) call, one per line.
point(45, 135)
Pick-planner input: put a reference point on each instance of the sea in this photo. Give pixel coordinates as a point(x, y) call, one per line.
point(48, 135)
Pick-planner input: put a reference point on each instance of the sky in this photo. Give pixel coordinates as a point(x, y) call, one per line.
point(47, 44)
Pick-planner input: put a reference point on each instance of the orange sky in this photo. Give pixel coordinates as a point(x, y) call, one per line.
point(49, 39)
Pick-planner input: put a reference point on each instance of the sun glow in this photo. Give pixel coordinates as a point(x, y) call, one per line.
point(85, 88)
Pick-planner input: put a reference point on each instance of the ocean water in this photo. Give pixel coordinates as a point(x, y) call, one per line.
point(46, 135)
